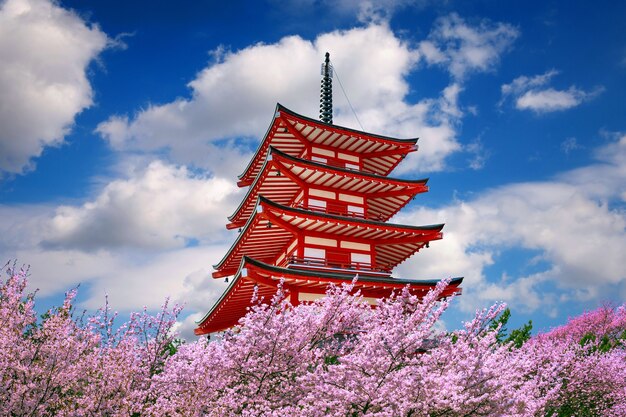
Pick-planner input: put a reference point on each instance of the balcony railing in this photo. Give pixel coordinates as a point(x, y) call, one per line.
point(325, 264)
point(331, 210)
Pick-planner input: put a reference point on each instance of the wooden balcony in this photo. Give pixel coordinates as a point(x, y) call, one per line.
point(310, 263)
point(338, 211)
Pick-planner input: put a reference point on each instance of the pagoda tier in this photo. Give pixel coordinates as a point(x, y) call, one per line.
point(302, 137)
point(300, 285)
point(295, 237)
point(312, 185)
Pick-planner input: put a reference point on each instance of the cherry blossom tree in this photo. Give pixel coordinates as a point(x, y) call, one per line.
point(72, 366)
point(336, 356)
point(594, 378)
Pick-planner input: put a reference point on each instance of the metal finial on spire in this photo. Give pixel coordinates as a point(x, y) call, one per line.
point(326, 97)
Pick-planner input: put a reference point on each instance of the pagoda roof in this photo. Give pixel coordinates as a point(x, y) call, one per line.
point(273, 226)
point(385, 196)
point(252, 273)
point(293, 133)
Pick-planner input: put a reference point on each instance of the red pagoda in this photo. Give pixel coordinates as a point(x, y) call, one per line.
point(316, 213)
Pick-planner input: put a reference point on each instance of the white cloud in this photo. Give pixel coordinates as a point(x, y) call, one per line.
point(479, 155)
point(568, 221)
point(550, 99)
point(604, 181)
point(149, 281)
point(366, 11)
point(55, 271)
point(44, 50)
point(463, 48)
point(199, 293)
point(438, 119)
point(523, 83)
point(233, 97)
point(184, 327)
point(130, 241)
point(532, 93)
point(21, 225)
point(162, 206)
point(378, 10)
point(131, 279)
point(570, 144)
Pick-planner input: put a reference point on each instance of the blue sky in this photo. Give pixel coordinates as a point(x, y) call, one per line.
point(124, 125)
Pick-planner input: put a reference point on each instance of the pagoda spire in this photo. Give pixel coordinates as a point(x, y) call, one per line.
point(326, 96)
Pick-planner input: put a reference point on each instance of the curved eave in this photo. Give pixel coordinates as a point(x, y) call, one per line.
point(232, 305)
point(394, 243)
point(251, 273)
point(344, 277)
point(243, 235)
point(347, 130)
point(262, 145)
point(276, 159)
point(346, 171)
point(237, 241)
point(404, 145)
point(218, 303)
point(251, 190)
point(342, 219)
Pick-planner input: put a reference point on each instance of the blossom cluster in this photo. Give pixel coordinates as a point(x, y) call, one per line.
point(335, 356)
point(75, 366)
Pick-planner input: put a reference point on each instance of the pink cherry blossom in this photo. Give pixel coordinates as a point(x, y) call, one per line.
point(336, 356)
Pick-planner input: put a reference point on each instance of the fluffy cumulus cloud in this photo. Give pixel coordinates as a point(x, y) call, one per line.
point(534, 93)
point(131, 279)
point(133, 271)
point(136, 240)
point(162, 206)
point(570, 225)
point(233, 97)
point(170, 275)
point(464, 48)
point(44, 50)
point(550, 99)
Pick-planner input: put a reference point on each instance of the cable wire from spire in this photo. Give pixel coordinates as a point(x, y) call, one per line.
point(346, 96)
